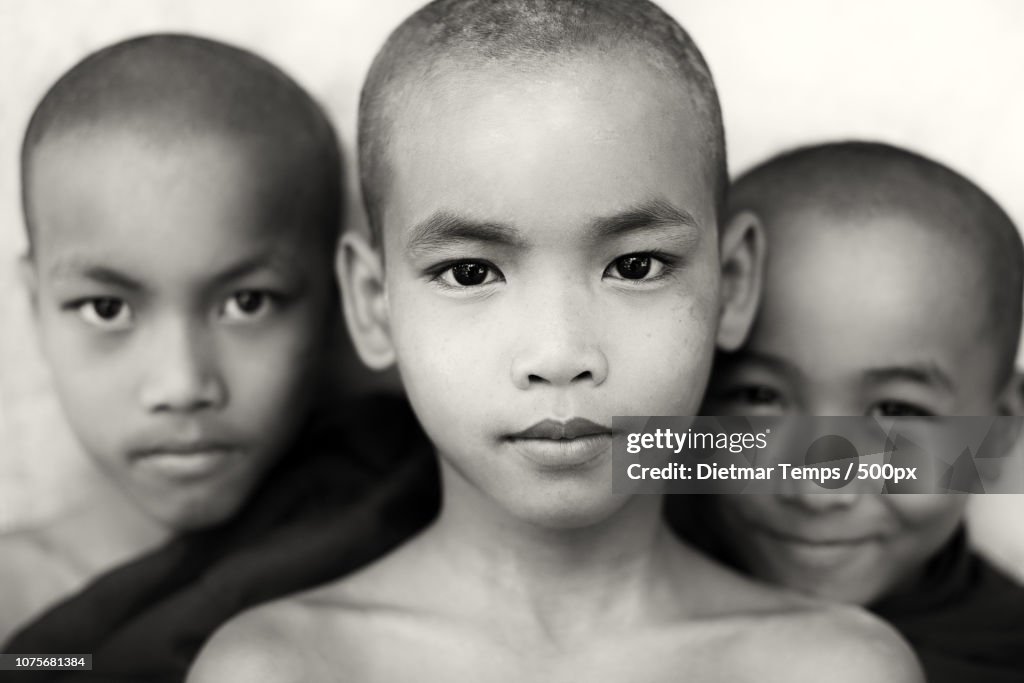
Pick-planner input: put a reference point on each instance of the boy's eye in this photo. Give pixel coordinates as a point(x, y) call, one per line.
point(106, 312)
point(245, 305)
point(898, 409)
point(635, 267)
point(469, 274)
point(754, 394)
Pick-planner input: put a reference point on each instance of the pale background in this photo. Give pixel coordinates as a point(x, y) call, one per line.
point(945, 77)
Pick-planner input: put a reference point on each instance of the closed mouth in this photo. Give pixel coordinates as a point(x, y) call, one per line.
point(567, 446)
point(185, 462)
point(826, 542)
point(575, 428)
point(183, 449)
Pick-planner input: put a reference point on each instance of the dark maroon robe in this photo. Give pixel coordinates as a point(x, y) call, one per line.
point(963, 617)
point(346, 494)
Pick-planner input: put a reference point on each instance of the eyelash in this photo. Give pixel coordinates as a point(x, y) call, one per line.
point(762, 395)
point(270, 302)
point(438, 272)
point(753, 394)
point(667, 266)
point(81, 308)
point(907, 409)
point(667, 261)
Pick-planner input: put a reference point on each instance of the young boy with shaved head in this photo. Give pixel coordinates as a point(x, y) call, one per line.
point(182, 200)
point(544, 180)
point(893, 288)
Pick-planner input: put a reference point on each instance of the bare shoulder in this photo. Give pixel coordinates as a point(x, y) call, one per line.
point(771, 634)
point(880, 651)
point(262, 645)
point(33, 576)
point(844, 645)
point(332, 632)
point(313, 635)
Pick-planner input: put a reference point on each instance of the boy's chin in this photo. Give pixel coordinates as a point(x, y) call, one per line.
point(184, 513)
point(860, 593)
point(569, 513)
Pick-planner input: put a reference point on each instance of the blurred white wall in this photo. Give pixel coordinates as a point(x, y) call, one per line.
point(945, 77)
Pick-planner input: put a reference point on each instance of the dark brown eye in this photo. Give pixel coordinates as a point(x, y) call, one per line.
point(634, 266)
point(755, 395)
point(107, 308)
point(899, 409)
point(470, 274)
point(247, 305)
point(105, 312)
point(249, 302)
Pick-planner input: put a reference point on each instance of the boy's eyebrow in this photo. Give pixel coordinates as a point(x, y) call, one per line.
point(80, 267)
point(922, 373)
point(92, 271)
point(775, 362)
point(277, 263)
point(654, 213)
point(444, 228)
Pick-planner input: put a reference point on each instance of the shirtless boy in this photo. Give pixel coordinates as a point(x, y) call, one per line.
point(545, 180)
point(182, 200)
point(915, 310)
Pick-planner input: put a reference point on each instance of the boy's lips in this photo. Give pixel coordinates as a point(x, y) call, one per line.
point(562, 445)
point(824, 535)
point(817, 549)
point(558, 429)
point(183, 460)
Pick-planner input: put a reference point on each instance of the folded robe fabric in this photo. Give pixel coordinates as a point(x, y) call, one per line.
point(963, 617)
point(344, 496)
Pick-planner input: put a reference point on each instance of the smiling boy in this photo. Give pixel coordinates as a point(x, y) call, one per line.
point(544, 181)
point(915, 310)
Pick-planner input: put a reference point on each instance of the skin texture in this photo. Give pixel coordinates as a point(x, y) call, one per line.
point(217, 318)
point(535, 570)
point(554, 332)
point(890, 327)
point(181, 312)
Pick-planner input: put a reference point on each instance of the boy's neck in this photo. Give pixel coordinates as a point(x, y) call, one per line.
point(566, 579)
point(106, 529)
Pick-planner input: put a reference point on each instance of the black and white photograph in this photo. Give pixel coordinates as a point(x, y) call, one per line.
point(500, 341)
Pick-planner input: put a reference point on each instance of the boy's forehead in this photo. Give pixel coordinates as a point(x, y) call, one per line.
point(883, 244)
point(587, 135)
point(874, 262)
point(112, 150)
point(111, 185)
point(887, 290)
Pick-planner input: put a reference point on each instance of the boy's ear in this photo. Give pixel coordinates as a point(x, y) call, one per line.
point(364, 297)
point(1011, 402)
point(27, 275)
point(742, 247)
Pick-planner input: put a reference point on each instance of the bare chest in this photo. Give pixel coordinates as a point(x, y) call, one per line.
point(416, 652)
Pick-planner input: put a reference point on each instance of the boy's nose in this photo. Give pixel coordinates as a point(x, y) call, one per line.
point(182, 376)
point(559, 365)
point(559, 347)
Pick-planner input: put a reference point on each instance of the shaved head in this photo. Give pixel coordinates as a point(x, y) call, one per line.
point(168, 90)
point(452, 38)
point(855, 182)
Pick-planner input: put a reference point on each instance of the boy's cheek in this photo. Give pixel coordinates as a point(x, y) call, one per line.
point(269, 387)
point(81, 366)
point(448, 340)
point(431, 368)
point(672, 352)
point(920, 512)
